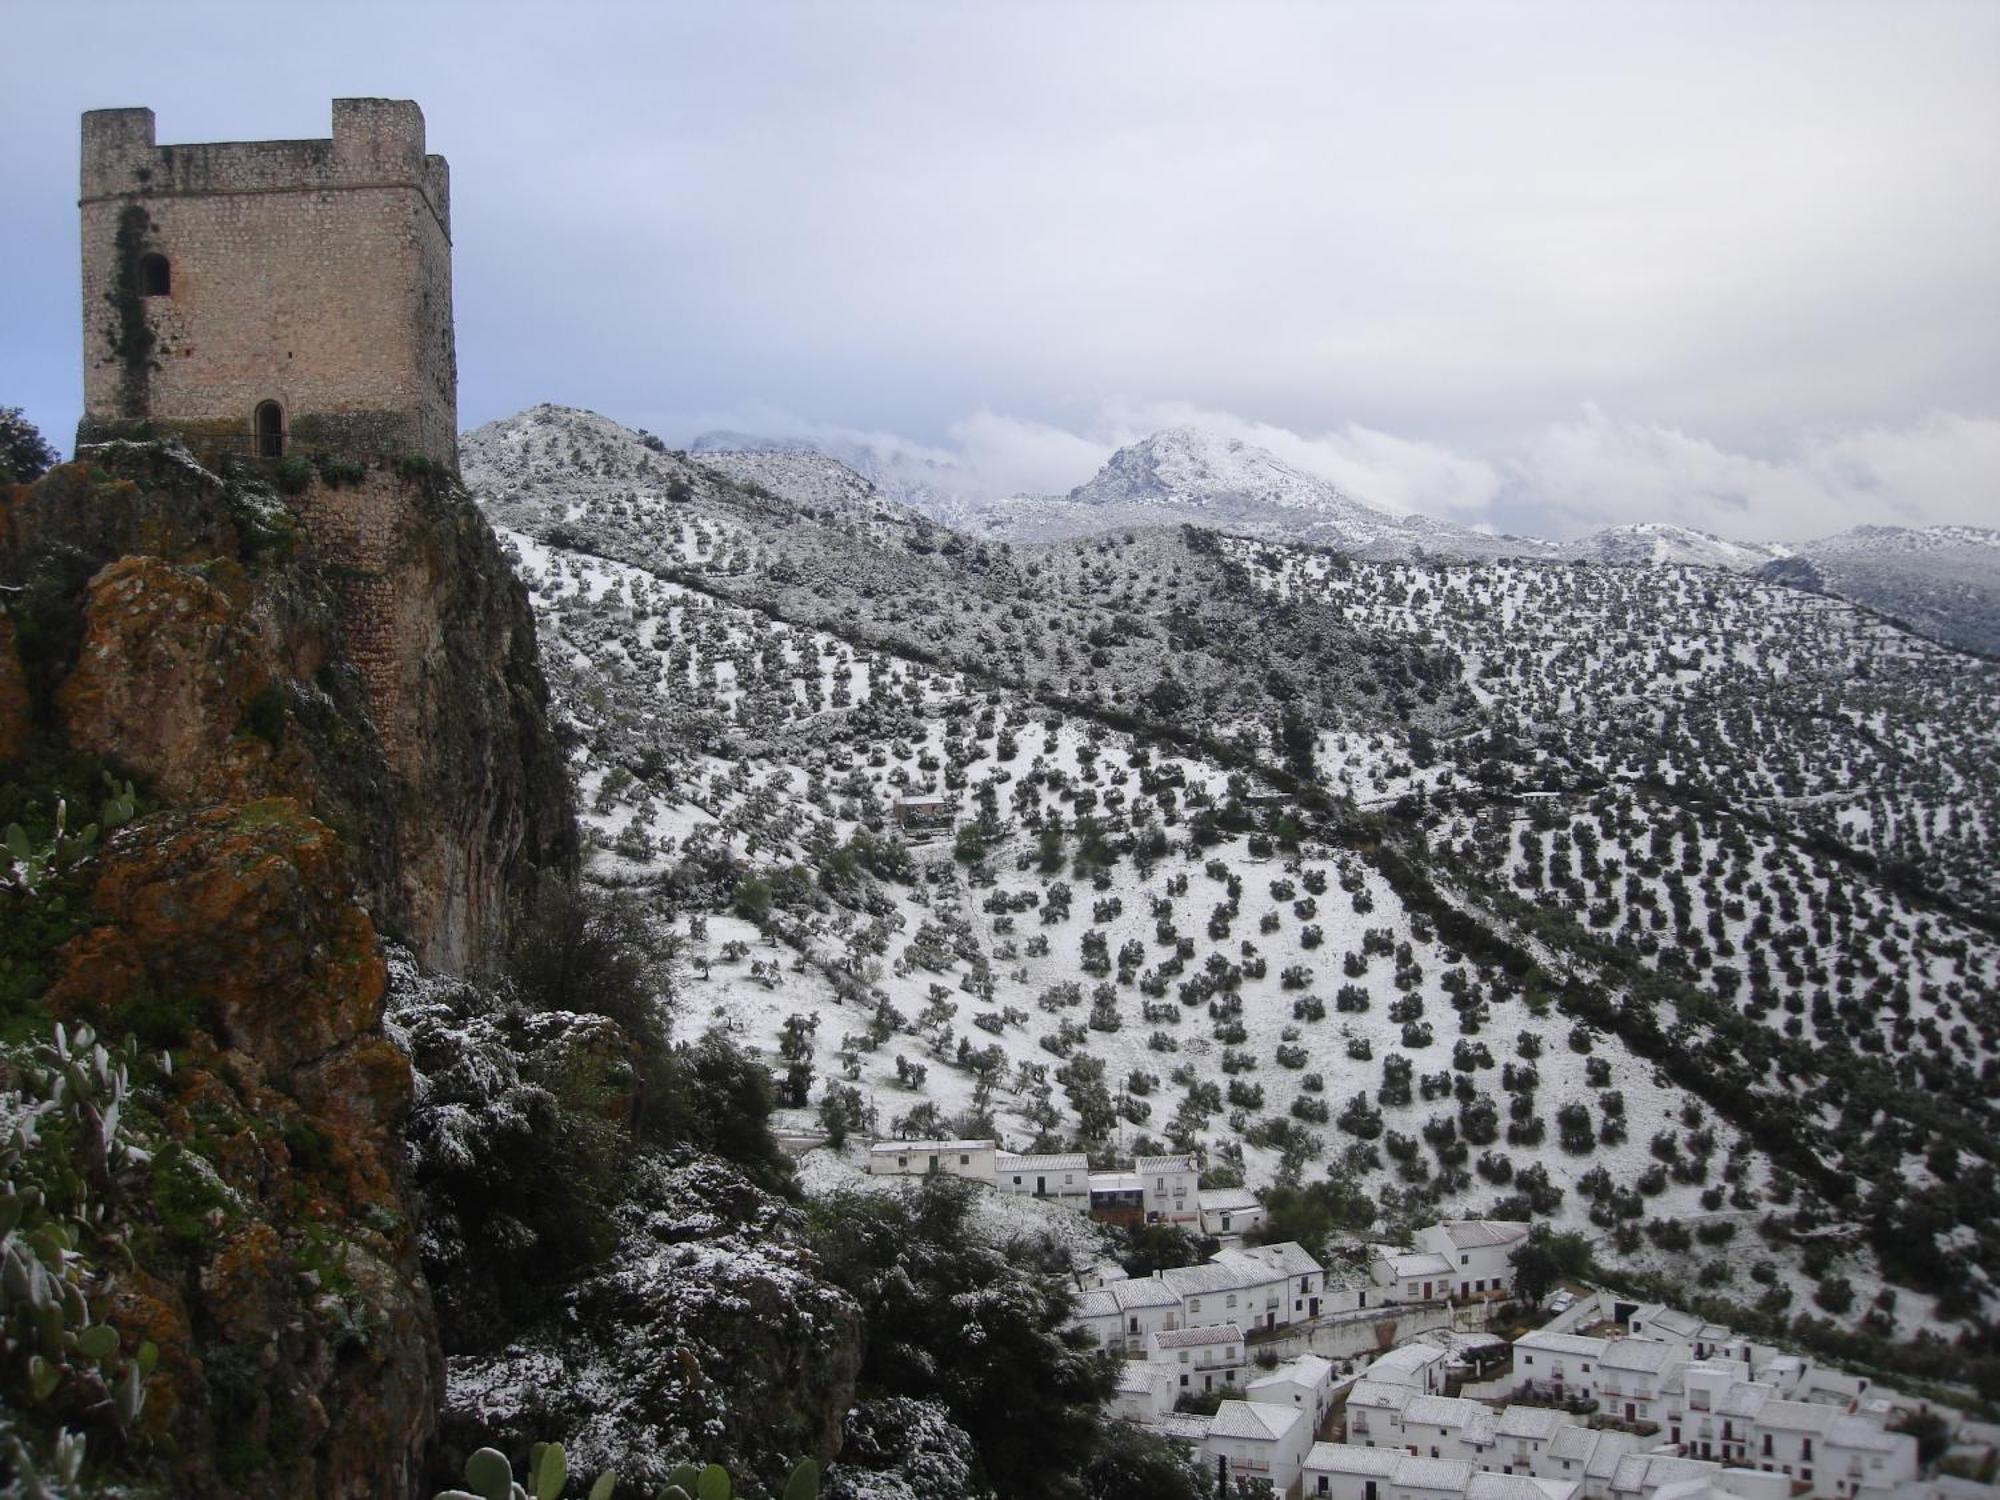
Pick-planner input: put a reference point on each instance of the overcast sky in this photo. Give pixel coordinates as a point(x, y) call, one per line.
point(1540, 266)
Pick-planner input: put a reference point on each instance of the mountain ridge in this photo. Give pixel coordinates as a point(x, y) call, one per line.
point(1943, 580)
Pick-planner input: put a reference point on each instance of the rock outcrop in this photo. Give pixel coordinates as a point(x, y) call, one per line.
point(275, 1263)
point(645, 1304)
point(363, 648)
point(330, 741)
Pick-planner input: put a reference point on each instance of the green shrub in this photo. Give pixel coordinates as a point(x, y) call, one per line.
point(293, 473)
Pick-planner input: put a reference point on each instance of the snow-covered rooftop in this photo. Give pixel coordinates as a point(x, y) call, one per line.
point(1060, 1161)
point(1227, 1200)
point(1472, 1234)
point(1261, 1421)
point(1517, 1487)
point(1535, 1423)
point(1642, 1356)
point(1189, 1338)
point(1287, 1256)
point(1433, 1474)
point(1579, 1345)
point(1344, 1458)
point(918, 1148)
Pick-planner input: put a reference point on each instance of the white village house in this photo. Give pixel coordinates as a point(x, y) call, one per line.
point(1145, 1393)
point(1303, 1276)
point(1477, 1251)
point(1375, 1402)
point(1123, 1313)
point(1306, 1381)
point(1257, 1287)
point(1258, 1440)
point(1411, 1275)
point(970, 1159)
point(1338, 1472)
point(1230, 1213)
point(1717, 1412)
point(1198, 1359)
point(1461, 1258)
point(1063, 1177)
point(1223, 1292)
point(1565, 1365)
point(1170, 1185)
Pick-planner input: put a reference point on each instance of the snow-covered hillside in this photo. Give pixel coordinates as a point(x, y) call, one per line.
point(1650, 932)
point(1941, 580)
point(1681, 546)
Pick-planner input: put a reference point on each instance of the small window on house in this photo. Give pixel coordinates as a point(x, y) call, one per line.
point(964, 1160)
point(156, 277)
point(270, 422)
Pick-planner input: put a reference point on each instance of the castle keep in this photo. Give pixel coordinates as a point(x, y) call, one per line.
point(269, 297)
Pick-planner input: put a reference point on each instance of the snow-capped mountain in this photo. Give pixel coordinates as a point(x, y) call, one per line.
point(1200, 468)
point(1187, 475)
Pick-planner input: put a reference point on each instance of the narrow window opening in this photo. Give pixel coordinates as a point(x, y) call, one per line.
point(270, 430)
point(156, 277)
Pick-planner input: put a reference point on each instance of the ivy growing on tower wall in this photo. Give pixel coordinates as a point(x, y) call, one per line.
point(131, 338)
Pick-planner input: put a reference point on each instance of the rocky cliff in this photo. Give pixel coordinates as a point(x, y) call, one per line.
point(360, 645)
point(325, 743)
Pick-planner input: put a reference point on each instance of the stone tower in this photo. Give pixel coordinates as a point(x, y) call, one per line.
point(270, 297)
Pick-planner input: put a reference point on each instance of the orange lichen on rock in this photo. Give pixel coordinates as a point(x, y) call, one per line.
point(242, 1284)
point(166, 678)
point(248, 911)
point(279, 1227)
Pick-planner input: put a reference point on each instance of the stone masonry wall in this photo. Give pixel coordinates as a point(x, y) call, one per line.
point(316, 274)
point(356, 529)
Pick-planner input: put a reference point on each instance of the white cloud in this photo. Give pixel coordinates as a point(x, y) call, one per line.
point(1597, 470)
point(1005, 455)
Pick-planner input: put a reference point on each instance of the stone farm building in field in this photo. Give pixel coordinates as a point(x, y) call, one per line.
point(251, 297)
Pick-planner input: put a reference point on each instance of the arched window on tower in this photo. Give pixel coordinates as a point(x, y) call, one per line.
point(270, 430)
point(156, 277)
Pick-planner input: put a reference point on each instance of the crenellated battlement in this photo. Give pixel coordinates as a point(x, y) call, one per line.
point(375, 143)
